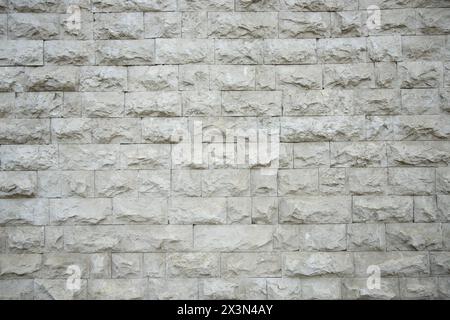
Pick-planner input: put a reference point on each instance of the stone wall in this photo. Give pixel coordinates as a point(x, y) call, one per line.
point(100, 199)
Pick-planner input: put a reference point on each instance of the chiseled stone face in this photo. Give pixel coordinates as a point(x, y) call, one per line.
point(225, 149)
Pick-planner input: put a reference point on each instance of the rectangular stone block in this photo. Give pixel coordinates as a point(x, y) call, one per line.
point(24, 239)
point(21, 53)
point(153, 78)
point(28, 157)
point(19, 265)
point(360, 75)
point(88, 157)
point(413, 236)
point(197, 211)
point(414, 153)
point(299, 77)
point(324, 237)
point(144, 156)
point(38, 105)
point(201, 103)
point(366, 237)
point(238, 51)
point(382, 209)
point(284, 51)
point(304, 24)
point(124, 25)
point(102, 104)
point(242, 25)
point(317, 264)
point(260, 264)
point(411, 181)
point(193, 264)
point(309, 129)
point(15, 184)
point(233, 238)
point(33, 26)
point(364, 181)
point(113, 130)
point(153, 104)
point(123, 238)
point(125, 52)
point(162, 24)
point(80, 211)
point(295, 182)
point(184, 51)
point(142, 5)
point(358, 154)
point(345, 50)
point(24, 211)
point(101, 78)
point(173, 289)
point(52, 78)
point(117, 289)
point(251, 103)
point(232, 77)
point(311, 210)
point(420, 74)
point(393, 263)
point(69, 52)
point(233, 288)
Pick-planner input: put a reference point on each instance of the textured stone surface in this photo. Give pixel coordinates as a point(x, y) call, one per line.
point(224, 149)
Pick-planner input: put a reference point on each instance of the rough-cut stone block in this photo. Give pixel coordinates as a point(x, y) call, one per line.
point(116, 289)
point(251, 264)
point(366, 237)
point(25, 239)
point(385, 48)
point(14, 184)
point(103, 78)
point(43, 26)
point(325, 237)
point(345, 50)
point(38, 105)
point(201, 103)
point(305, 129)
point(52, 78)
point(357, 288)
point(80, 211)
point(420, 74)
point(144, 238)
point(162, 25)
point(392, 263)
point(102, 104)
point(284, 51)
point(358, 154)
point(304, 24)
point(128, 25)
point(88, 157)
point(197, 211)
point(19, 265)
point(252, 103)
point(165, 104)
point(238, 51)
point(297, 182)
point(232, 77)
point(363, 181)
point(69, 52)
point(317, 263)
point(145, 156)
point(242, 25)
point(192, 265)
point(233, 238)
point(141, 5)
point(299, 77)
point(222, 182)
point(411, 181)
point(21, 53)
point(433, 21)
point(413, 236)
point(126, 265)
point(26, 131)
point(311, 154)
point(28, 157)
point(184, 51)
point(233, 289)
point(382, 209)
point(152, 78)
point(124, 52)
point(348, 76)
point(310, 210)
